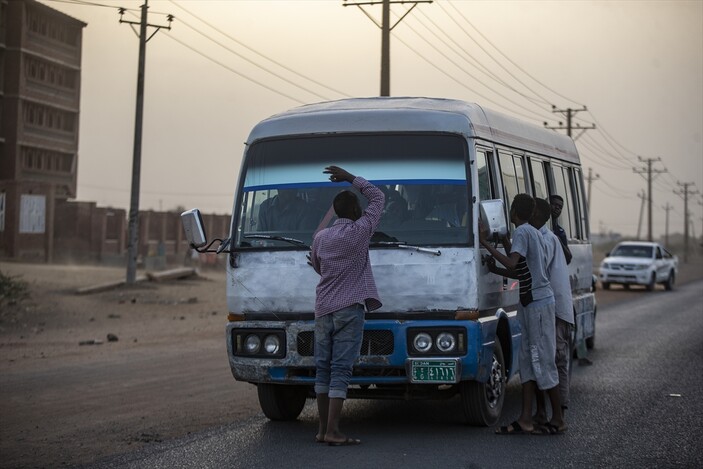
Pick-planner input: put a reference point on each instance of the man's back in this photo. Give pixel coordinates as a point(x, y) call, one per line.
point(340, 254)
point(558, 274)
point(528, 242)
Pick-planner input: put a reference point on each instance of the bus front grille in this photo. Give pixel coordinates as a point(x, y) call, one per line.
point(375, 342)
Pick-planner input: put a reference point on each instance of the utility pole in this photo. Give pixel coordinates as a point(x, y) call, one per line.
point(685, 192)
point(386, 29)
point(642, 196)
point(569, 114)
point(590, 178)
point(667, 207)
point(649, 178)
point(133, 227)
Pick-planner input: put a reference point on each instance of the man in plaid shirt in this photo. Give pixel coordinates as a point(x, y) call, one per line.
point(340, 254)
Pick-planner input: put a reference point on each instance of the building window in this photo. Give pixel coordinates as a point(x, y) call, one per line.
point(49, 73)
point(37, 159)
point(32, 213)
point(48, 117)
point(51, 28)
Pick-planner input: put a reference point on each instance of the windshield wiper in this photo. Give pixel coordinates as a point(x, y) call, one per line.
point(297, 242)
point(403, 245)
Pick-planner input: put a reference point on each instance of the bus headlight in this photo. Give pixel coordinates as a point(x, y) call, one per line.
point(272, 344)
point(445, 342)
point(422, 342)
point(252, 343)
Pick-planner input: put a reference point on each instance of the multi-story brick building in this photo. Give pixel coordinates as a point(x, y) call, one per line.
point(40, 73)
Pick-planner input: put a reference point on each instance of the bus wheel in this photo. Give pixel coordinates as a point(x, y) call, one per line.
point(281, 402)
point(483, 402)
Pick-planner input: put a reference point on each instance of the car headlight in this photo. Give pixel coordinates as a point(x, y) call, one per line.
point(604, 265)
point(641, 267)
point(422, 342)
point(272, 344)
point(445, 342)
point(252, 343)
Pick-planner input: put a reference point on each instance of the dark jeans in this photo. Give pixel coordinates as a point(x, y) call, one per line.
point(337, 345)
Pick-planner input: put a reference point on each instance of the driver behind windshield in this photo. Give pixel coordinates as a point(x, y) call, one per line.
point(284, 212)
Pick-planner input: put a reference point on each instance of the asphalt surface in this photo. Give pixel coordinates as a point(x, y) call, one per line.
point(638, 405)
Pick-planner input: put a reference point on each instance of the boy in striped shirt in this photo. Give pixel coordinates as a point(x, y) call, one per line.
point(527, 260)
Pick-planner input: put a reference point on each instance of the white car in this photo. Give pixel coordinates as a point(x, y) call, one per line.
point(639, 263)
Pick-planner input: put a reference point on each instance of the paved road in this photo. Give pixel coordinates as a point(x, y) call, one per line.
point(639, 405)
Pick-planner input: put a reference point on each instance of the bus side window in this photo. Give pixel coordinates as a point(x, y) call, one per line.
point(520, 174)
point(539, 180)
point(510, 181)
point(567, 220)
point(485, 191)
point(583, 204)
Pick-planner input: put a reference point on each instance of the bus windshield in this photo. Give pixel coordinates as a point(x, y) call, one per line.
point(286, 198)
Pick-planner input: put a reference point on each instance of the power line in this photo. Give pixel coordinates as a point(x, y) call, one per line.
point(246, 77)
point(290, 82)
point(459, 82)
point(474, 61)
point(92, 4)
point(439, 50)
point(617, 190)
point(506, 57)
point(228, 36)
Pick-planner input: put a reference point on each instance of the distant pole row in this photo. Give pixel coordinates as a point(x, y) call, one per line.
point(685, 192)
point(651, 173)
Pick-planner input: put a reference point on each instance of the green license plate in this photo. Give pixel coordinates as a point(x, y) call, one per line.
point(433, 371)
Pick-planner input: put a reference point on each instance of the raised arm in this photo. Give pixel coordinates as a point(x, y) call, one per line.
point(376, 198)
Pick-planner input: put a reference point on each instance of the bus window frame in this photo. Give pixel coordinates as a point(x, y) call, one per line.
point(583, 203)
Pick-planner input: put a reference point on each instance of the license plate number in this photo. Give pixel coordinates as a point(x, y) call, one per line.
point(433, 371)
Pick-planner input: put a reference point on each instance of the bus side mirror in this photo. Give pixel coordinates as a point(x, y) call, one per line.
point(194, 228)
point(493, 217)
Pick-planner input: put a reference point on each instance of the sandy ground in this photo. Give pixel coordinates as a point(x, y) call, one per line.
point(62, 403)
point(165, 376)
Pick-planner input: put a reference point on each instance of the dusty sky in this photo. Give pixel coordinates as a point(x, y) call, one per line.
point(225, 65)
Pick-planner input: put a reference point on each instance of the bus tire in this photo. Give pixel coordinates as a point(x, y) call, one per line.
point(281, 402)
point(483, 402)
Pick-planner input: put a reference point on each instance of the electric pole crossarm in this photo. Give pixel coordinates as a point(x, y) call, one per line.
point(569, 114)
point(386, 28)
point(169, 18)
point(407, 12)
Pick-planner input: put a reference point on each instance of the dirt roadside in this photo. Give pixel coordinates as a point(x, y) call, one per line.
point(167, 375)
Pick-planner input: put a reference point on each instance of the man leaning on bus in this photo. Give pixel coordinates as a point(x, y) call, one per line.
point(340, 254)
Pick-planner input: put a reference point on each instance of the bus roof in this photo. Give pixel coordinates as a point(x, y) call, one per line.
point(390, 114)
